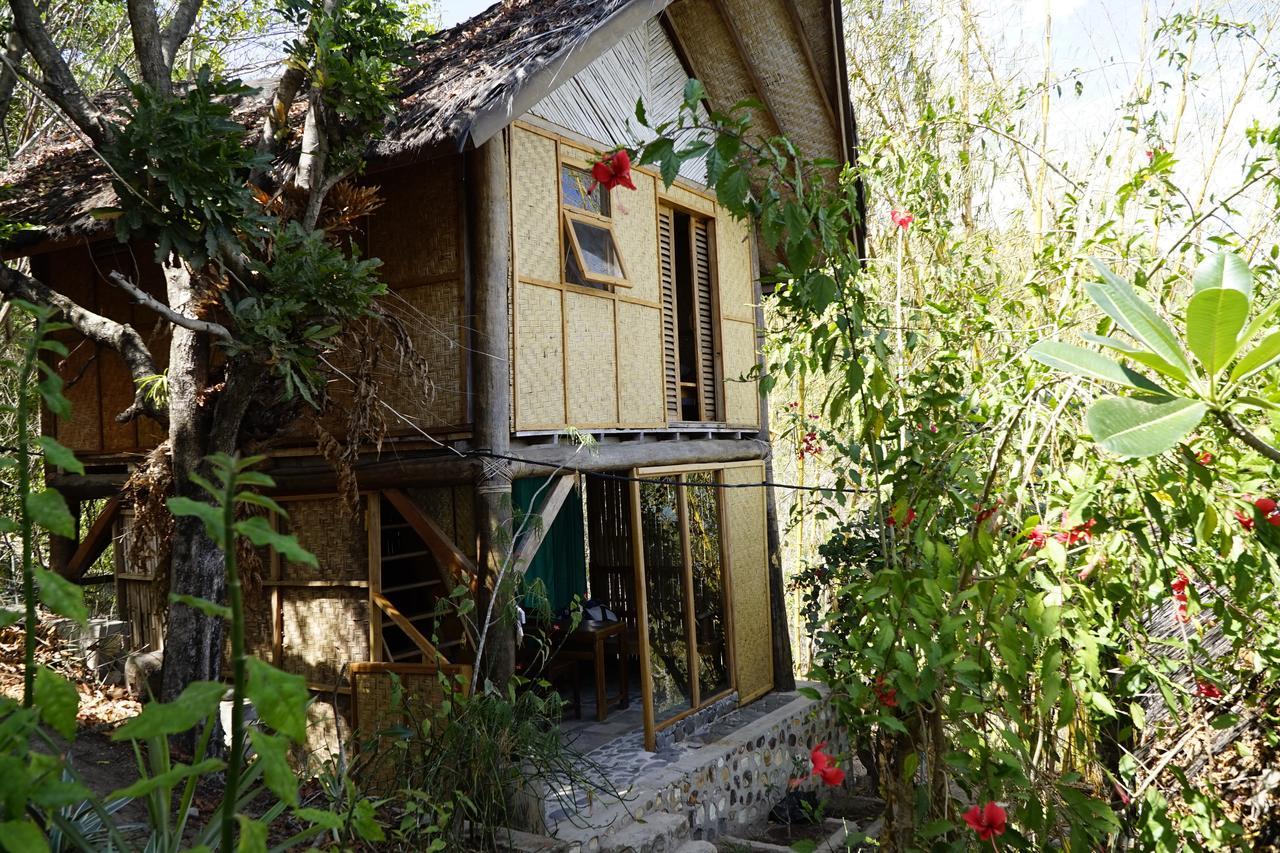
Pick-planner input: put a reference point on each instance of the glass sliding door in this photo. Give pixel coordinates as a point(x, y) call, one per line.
point(680, 580)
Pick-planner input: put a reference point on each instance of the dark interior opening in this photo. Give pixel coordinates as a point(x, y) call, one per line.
point(685, 318)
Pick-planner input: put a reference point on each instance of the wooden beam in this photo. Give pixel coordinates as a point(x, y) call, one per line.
point(641, 598)
point(455, 566)
point(756, 82)
point(429, 652)
point(95, 542)
point(546, 512)
point(837, 126)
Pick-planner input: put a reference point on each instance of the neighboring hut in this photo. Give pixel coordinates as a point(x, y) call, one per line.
point(539, 305)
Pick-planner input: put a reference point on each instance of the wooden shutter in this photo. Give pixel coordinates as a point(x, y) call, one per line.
point(670, 345)
point(708, 387)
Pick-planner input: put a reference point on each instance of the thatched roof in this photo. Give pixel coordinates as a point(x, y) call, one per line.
point(468, 82)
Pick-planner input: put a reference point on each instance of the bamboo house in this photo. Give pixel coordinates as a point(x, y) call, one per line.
point(542, 308)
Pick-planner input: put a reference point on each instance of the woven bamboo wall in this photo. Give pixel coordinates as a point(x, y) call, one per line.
point(733, 261)
point(539, 366)
point(742, 399)
point(535, 194)
point(418, 230)
point(140, 591)
point(748, 560)
point(640, 356)
point(453, 508)
point(591, 360)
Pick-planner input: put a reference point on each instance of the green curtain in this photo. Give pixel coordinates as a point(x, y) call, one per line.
point(561, 561)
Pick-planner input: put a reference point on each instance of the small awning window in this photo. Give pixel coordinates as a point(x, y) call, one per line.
point(592, 258)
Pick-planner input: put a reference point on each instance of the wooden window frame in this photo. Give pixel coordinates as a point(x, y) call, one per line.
point(571, 215)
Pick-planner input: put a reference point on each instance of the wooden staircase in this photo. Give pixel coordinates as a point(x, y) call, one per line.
point(419, 621)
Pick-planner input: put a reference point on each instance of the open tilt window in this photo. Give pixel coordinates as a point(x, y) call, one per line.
point(691, 349)
point(591, 256)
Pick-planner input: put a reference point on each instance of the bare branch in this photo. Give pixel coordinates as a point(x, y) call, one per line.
point(14, 50)
point(184, 18)
point(1242, 432)
point(174, 317)
point(120, 337)
point(58, 83)
point(144, 23)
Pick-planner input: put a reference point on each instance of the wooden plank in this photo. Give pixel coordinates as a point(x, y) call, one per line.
point(373, 528)
point(455, 566)
point(686, 578)
point(322, 583)
point(97, 540)
point(402, 622)
point(642, 617)
point(549, 507)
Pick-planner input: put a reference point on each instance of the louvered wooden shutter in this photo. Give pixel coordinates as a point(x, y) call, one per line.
point(670, 345)
point(708, 387)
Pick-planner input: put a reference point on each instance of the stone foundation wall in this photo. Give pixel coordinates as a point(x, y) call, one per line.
point(726, 787)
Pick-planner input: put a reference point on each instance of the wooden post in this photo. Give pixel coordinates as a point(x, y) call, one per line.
point(784, 677)
point(489, 225)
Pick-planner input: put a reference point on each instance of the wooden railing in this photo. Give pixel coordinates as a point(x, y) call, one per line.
point(455, 566)
point(429, 652)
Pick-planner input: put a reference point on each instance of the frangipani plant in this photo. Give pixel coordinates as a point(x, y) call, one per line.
point(1206, 372)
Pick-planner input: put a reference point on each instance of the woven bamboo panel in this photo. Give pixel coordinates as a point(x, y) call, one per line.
point(535, 205)
point(747, 548)
point(328, 730)
point(733, 266)
point(593, 371)
point(539, 357)
point(640, 354)
point(433, 314)
point(742, 399)
point(416, 231)
point(682, 197)
point(780, 61)
point(328, 529)
point(720, 65)
point(324, 630)
point(115, 384)
point(80, 432)
point(635, 218)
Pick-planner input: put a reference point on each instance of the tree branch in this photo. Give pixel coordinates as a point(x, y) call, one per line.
point(1242, 432)
point(174, 317)
point(59, 83)
point(144, 24)
point(184, 18)
point(120, 337)
point(14, 50)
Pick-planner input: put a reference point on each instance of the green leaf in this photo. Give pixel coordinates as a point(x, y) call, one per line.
point(61, 595)
point(168, 779)
point(253, 835)
point(198, 701)
point(1226, 270)
point(1131, 312)
point(280, 698)
point(208, 513)
point(1260, 320)
point(273, 752)
point(1102, 703)
point(48, 509)
point(320, 817)
point(1265, 354)
point(1139, 355)
point(204, 605)
point(57, 700)
point(60, 456)
point(258, 531)
point(22, 836)
point(1214, 319)
point(1135, 428)
point(1089, 364)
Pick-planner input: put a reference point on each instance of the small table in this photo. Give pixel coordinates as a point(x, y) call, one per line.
point(588, 643)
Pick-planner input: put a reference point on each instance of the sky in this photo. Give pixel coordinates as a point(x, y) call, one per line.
point(453, 11)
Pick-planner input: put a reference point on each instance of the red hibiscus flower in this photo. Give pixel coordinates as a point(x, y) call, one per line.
point(988, 821)
point(1179, 587)
point(1150, 155)
point(614, 170)
point(1266, 506)
point(1079, 533)
point(1245, 521)
point(906, 519)
point(887, 696)
point(1205, 457)
point(823, 768)
point(1039, 537)
point(901, 218)
point(1208, 690)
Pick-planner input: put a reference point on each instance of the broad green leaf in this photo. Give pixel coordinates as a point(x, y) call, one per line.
point(10, 617)
point(1089, 364)
point(321, 817)
point(1224, 269)
point(1136, 428)
point(22, 836)
point(198, 701)
point(1132, 313)
point(61, 595)
point(1258, 323)
point(1265, 354)
point(208, 513)
point(280, 698)
point(204, 605)
point(258, 531)
point(168, 779)
point(273, 752)
point(48, 509)
point(1139, 355)
point(253, 835)
point(1214, 320)
point(57, 701)
point(58, 455)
